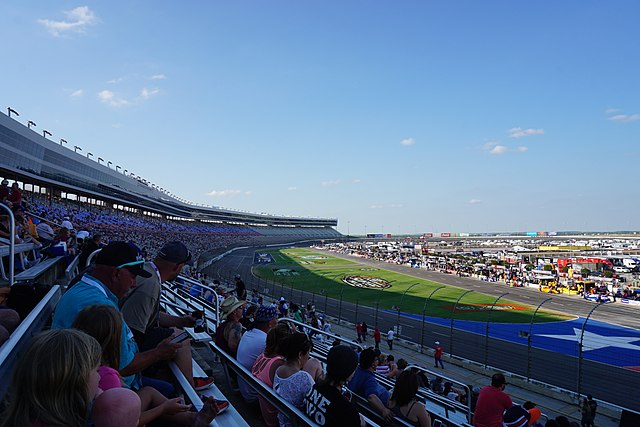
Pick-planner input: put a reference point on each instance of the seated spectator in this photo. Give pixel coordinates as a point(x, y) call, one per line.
point(141, 309)
point(229, 332)
point(104, 323)
point(437, 385)
point(113, 274)
point(45, 232)
point(383, 366)
point(403, 401)
point(492, 402)
point(89, 247)
point(365, 384)
point(253, 343)
point(249, 316)
point(265, 367)
point(325, 403)
point(521, 415)
point(117, 407)
point(54, 381)
point(398, 368)
point(5, 191)
point(291, 382)
point(451, 393)
point(9, 319)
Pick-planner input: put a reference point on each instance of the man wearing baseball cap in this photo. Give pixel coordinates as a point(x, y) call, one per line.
point(253, 343)
point(113, 274)
point(141, 308)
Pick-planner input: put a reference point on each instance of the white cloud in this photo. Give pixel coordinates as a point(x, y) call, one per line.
point(520, 132)
point(148, 93)
point(330, 183)
point(612, 110)
point(77, 21)
point(248, 193)
point(159, 77)
point(110, 98)
point(76, 93)
point(408, 141)
point(356, 181)
point(116, 80)
point(475, 201)
point(292, 188)
point(499, 149)
point(522, 149)
point(625, 117)
point(224, 193)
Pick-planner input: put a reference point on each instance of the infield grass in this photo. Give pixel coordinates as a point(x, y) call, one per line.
point(321, 274)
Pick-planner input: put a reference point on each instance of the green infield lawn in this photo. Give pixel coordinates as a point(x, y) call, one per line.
point(321, 274)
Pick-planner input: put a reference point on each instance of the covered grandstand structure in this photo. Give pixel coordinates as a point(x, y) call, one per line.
point(49, 168)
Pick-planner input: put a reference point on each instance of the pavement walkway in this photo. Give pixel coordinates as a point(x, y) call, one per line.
point(551, 401)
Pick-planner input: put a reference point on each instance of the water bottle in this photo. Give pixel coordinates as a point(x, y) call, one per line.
point(200, 322)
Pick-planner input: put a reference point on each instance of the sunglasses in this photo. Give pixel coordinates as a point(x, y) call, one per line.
point(131, 264)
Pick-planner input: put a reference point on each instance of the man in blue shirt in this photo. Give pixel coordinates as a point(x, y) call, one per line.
point(365, 384)
point(114, 273)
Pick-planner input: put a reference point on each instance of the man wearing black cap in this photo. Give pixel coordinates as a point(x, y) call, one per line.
point(114, 273)
point(141, 308)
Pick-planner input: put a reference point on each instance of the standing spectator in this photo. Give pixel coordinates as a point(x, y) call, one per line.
point(593, 405)
point(586, 420)
point(390, 336)
point(359, 331)
point(365, 384)
point(4, 191)
point(403, 401)
point(241, 289)
point(365, 331)
point(253, 343)
point(437, 355)
point(291, 382)
point(15, 196)
point(492, 402)
point(325, 403)
point(376, 336)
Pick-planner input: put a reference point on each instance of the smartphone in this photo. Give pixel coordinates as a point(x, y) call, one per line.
point(179, 338)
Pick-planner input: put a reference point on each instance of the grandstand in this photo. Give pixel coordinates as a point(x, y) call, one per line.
point(59, 183)
point(57, 172)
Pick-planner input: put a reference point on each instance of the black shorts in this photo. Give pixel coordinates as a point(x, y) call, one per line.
point(152, 338)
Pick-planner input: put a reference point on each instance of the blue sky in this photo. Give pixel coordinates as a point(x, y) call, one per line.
point(411, 116)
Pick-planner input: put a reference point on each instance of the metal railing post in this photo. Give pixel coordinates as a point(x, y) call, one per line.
point(453, 311)
point(400, 306)
point(12, 243)
point(486, 335)
point(529, 338)
point(580, 345)
point(424, 310)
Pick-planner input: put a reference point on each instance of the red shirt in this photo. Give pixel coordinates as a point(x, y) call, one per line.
point(376, 335)
point(492, 402)
point(438, 353)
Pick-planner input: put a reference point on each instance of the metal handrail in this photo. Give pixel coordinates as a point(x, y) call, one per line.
point(320, 331)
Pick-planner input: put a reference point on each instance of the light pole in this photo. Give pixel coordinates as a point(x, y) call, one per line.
point(31, 123)
point(45, 133)
point(11, 110)
point(109, 163)
point(100, 159)
point(63, 141)
point(89, 154)
point(125, 171)
point(118, 168)
point(76, 148)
